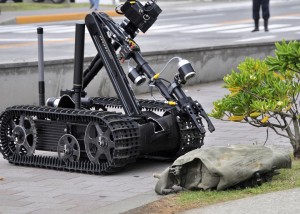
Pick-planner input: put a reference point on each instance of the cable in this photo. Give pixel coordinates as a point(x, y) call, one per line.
point(176, 57)
point(165, 80)
point(151, 91)
point(128, 64)
point(156, 76)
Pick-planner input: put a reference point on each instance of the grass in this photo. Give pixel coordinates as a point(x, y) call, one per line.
point(287, 179)
point(39, 6)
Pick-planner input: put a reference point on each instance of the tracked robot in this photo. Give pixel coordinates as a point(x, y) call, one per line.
point(75, 132)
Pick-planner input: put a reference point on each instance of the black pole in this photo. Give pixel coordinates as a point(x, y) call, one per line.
point(93, 69)
point(78, 63)
point(41, 67)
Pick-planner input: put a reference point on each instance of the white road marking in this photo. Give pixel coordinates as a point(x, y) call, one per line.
point(157, 27)
point(273, 26)
point(45, 29)
point(256, 38)
point(64, 30)
point(8, 29)
point(286, 17)
point(25, 28)
point(181, 29)
point(288, 29)
point(210, 29)
point(192, 17)
point(32, 40)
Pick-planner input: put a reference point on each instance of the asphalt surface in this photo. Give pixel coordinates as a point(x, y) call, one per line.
point(181, 25)
point(35, 190)
point(52, 15)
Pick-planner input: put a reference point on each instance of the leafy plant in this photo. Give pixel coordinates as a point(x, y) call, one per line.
point(265, 93)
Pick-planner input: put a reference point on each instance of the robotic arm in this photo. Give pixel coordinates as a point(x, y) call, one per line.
point(108, 36)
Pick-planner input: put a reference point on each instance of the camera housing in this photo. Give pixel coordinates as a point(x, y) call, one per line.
point(142, 16)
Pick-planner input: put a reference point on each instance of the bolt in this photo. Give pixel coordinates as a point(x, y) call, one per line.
point(66, 149)
point(17, 134)
point(103, 142)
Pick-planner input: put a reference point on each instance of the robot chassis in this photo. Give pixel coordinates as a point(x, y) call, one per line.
point(79, 133)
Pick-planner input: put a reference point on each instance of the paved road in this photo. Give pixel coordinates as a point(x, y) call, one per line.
point(181, 25)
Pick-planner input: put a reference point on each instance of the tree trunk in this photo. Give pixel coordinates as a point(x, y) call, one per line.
point(296, 142)
point(296, 148)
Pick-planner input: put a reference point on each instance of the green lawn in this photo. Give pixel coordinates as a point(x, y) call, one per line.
point(287, 179)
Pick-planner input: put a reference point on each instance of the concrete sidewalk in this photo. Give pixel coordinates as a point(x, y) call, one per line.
point(36, 190)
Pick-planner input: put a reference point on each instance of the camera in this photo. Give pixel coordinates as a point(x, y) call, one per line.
point(142, 16)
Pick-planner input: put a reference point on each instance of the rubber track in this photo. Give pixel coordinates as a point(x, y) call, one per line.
point(190, 137)
point(148, 105)
point(126, 149)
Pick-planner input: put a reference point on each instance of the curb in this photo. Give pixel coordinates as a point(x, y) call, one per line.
point(9, 21)
point(208, 67)
point(55, 17)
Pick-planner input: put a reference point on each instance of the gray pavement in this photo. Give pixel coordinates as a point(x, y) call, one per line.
point(36, 190)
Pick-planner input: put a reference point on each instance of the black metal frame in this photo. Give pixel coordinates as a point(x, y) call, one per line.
point(97, 24)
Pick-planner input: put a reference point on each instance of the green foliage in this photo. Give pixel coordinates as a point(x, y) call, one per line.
point(287, 58)
point(265, 93)
point(262, 89)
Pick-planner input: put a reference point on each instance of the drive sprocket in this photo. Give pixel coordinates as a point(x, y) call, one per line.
point(98, 142)
point(68, 148)
point(18, 135)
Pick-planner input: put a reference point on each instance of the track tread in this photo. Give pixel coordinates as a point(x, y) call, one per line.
point(126, 149)
point(119, 124)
